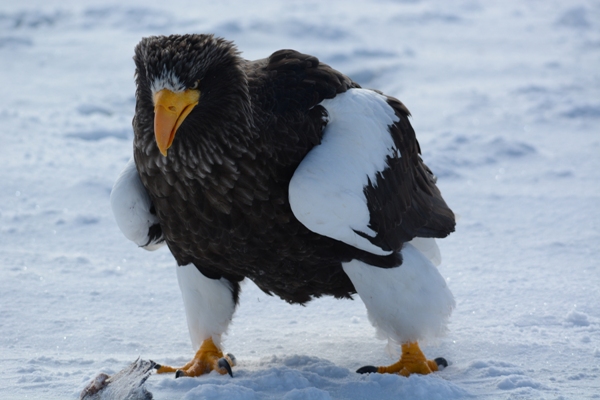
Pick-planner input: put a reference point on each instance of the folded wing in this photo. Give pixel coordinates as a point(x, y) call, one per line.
point(365, 183)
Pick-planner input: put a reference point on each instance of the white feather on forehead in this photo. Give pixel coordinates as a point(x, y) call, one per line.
point(167, 80)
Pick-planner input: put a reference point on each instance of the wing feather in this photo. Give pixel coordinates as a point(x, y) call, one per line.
point(327, 189)
point(365, 183)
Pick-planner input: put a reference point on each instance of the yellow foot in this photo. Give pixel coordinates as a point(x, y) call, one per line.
point(412, 361)
point(208, 358)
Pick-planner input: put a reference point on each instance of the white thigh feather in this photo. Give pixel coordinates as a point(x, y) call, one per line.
point(407, 303)
point(209, 304)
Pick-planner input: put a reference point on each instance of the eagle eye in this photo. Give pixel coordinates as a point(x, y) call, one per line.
point(195, 85)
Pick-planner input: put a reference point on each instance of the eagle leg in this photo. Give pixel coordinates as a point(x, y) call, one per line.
point(208, 358)
point(412, 361)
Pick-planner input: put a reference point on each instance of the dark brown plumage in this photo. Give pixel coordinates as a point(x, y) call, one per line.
point(221, 194)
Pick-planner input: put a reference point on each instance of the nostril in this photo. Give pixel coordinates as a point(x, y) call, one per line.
point(172, 108)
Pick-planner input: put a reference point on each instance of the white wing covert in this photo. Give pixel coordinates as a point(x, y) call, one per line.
point(132, 207)
point(327, 190)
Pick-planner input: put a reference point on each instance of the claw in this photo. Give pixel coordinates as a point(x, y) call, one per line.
point(156, 365)
point(179, 373)
point(441, 362)
point(224, 364)
point(367, 369)
point(232, 359)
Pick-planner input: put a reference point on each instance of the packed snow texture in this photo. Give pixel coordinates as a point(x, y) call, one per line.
point(505, 99)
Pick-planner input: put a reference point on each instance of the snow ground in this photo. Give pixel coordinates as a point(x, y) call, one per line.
point(505, 97)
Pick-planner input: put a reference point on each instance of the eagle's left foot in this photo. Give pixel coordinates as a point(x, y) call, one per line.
point(208, 358)
point(412, 361)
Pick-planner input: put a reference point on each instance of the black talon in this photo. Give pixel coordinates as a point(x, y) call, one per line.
point(441, 361)
point(232, 359)
point(367, 369)
point(155, 365)
point(223, 363)
point(179, 373)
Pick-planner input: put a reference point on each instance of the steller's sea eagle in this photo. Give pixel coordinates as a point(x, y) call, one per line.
point(286, 172)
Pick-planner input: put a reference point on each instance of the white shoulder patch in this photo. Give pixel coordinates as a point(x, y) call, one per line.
point(131, 207)
point(327, 190)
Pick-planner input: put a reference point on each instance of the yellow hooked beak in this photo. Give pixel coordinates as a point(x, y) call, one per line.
point(170, 109)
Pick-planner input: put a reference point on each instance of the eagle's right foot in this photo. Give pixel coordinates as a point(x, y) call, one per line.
point(208, 358)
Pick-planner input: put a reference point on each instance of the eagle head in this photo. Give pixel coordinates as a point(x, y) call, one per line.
point(189, 86)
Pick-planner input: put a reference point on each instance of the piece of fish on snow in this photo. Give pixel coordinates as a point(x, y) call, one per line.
point(126, 384)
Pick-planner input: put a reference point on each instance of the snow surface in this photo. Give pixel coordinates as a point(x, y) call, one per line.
point(505, 97)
